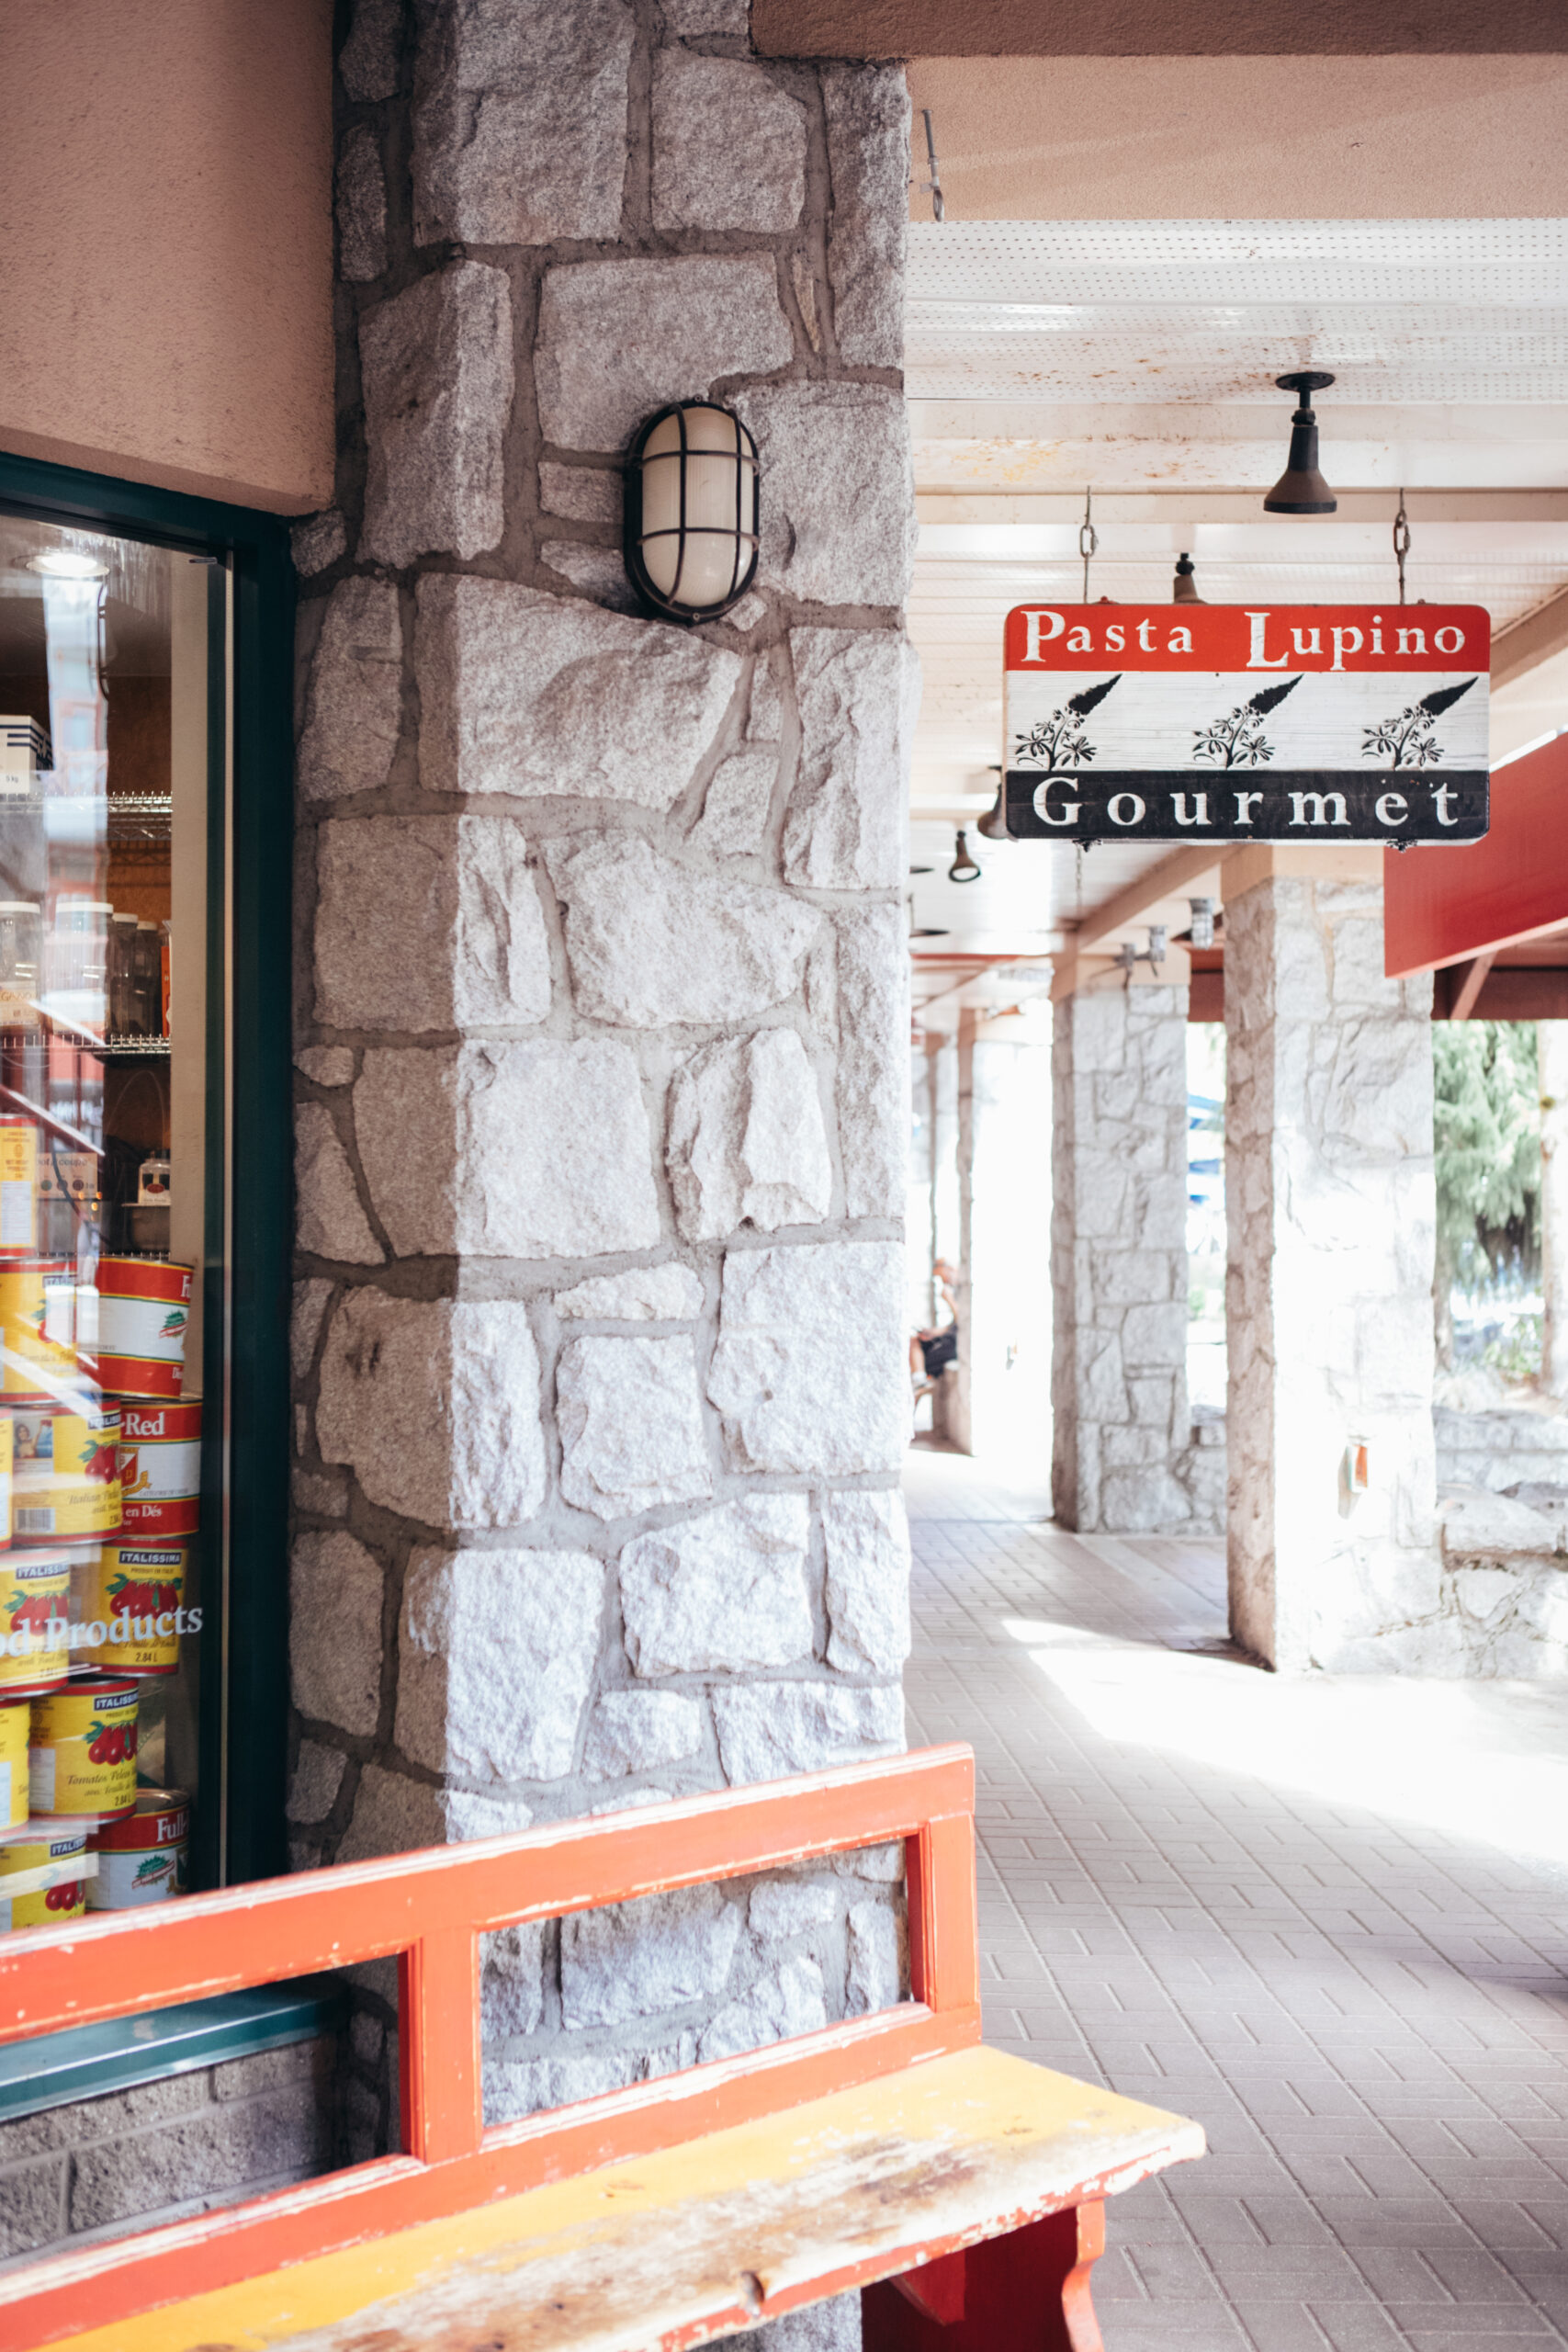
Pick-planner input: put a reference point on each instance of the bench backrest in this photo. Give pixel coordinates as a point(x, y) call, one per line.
point(430, 1909)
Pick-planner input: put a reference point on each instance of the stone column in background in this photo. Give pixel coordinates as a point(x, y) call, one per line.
point(1005, 1181)
point(1331, 1214)
point(1119, 1253)
point(1551, 1044)
point(602, 1022)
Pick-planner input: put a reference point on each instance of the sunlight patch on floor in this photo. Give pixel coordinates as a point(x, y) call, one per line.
point(1486, 1763)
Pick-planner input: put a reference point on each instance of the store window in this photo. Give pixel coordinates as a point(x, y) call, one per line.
point(139, 1754)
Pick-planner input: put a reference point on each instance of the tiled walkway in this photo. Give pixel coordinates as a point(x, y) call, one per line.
point(1329, 1918)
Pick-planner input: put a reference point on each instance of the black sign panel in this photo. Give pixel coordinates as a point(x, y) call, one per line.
point(1283, 805)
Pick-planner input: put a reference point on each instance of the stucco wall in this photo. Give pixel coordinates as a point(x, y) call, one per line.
point(1163, 138)
point(165, 245)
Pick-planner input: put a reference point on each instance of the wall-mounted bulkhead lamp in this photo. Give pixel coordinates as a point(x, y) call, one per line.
point(1301, 489)
point(692, 512)
point(1184, 587)
point(964, 868)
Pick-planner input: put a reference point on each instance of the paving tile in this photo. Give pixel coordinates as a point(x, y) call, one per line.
point(1365, 2013)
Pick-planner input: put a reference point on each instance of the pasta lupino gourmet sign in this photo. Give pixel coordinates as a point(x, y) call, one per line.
point(1220, 722)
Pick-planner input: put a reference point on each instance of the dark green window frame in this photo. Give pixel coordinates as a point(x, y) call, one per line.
point(239, 1830)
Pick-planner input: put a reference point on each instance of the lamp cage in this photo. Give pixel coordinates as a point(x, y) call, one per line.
point(692, 507)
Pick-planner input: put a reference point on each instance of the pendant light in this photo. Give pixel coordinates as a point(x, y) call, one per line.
point(964, 868)
point(1301, 489)
point(1184, 587)
point(994, 823)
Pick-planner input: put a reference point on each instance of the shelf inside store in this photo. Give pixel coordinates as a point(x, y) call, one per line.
point(129, 816)
point(114, 1048)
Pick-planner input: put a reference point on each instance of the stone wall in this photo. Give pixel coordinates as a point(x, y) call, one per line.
point(1502, 1602)
point(1331, 1213)
point(167, 2150)
point(1122, 1431)
point(601, 1024)
point(1507, 1449)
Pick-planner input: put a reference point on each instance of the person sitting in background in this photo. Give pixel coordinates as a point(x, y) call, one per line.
point(931, 1351)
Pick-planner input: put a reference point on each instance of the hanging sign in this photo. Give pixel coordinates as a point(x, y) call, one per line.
point(1265, 723)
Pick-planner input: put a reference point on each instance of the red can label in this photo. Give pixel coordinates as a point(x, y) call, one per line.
point(160, 1468)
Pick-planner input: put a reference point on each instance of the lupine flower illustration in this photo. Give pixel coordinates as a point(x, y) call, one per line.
point(1058, 741)
point(1408, 742)
point(1236, 742)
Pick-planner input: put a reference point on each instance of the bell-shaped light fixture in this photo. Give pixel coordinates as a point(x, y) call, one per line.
point(994, 823)
point(1184, 587)
point(1301, 489)
point(964, 868)
point(690, 511)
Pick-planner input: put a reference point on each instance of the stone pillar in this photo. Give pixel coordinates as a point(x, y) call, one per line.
point(1552, 1046)
point(602, 1026)
point(1119, 1251)
point(1005, 1181)
point(1331, 1217)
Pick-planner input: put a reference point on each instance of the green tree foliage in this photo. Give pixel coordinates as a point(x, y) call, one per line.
point(1488, 1148)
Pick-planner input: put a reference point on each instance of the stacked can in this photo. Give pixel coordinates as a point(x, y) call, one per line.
point(141, 1858)
point(99, 1483)
point(139, 1585)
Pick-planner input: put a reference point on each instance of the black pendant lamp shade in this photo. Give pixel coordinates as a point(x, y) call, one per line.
point(1301, 489)
point(994, 823)
point(1184, 587)
point(964, 868)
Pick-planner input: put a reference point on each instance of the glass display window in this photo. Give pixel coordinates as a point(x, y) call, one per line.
point(141, 1456)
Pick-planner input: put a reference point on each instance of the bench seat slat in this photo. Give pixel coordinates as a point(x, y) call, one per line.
point(706, 2238)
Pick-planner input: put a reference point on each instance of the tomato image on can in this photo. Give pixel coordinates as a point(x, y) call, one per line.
point(49, 1857)
point(16, 1718)
point(37, 1325)
point(128, 1602)
point(35, 1620)
point(160, 1468)
point(142, 1858)
point(82, 1749)
point(65, 1473)
point(144, 1311)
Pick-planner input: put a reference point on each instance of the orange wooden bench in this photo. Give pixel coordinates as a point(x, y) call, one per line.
point(964, 2189)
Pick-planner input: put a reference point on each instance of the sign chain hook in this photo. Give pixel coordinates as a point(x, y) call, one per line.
point(1401, 542)
point(1088, 539)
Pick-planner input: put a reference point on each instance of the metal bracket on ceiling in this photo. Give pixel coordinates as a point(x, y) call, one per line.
point(931, 187)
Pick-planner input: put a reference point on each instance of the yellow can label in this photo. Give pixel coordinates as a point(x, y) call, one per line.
point(65, 1474)
point(47, 1907)
point(81, 1750)
point(15, 1719)
point(37, 1325)
point(128, 1608)
point(35, 1618)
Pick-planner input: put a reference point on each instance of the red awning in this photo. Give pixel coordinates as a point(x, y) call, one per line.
point(1443, 905)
